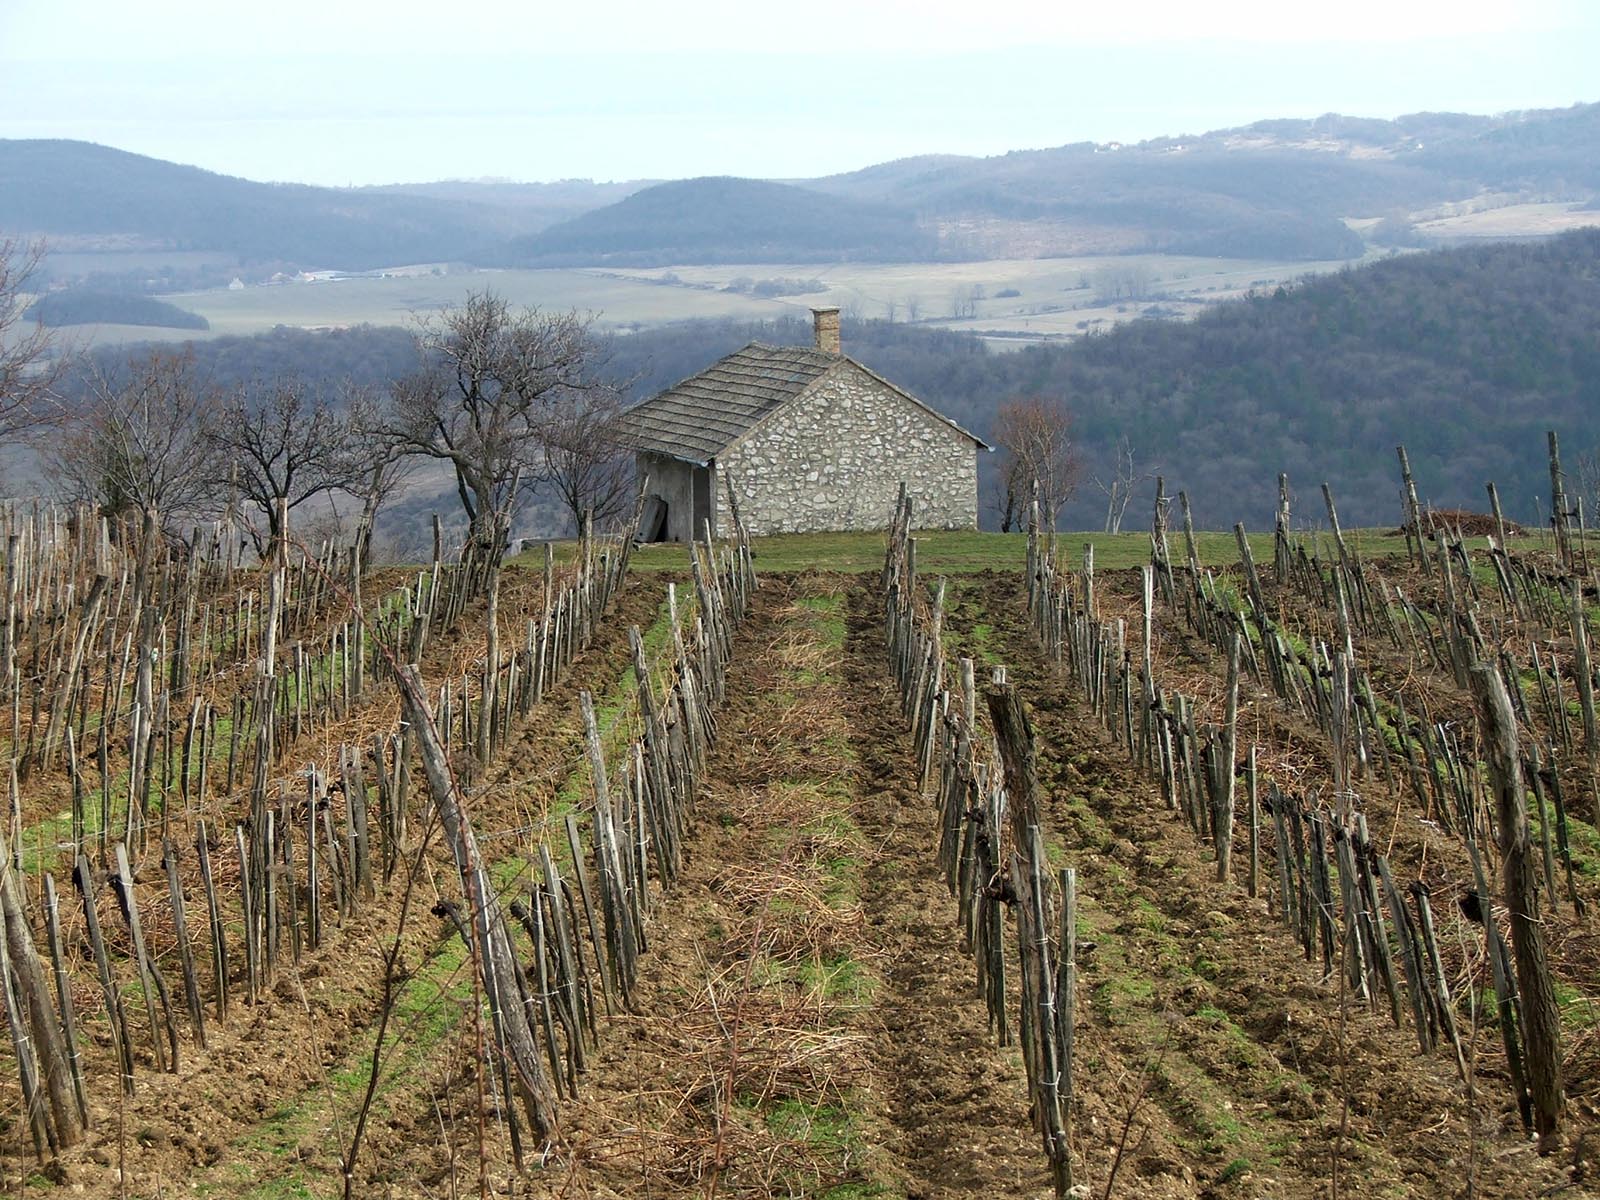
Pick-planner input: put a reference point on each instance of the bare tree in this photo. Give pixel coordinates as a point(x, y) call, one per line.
point(584, 462)
point(28, 367)
point(1035, 435)
point(1130, 280)
point(139, 439)
point(286, 443)
point(488, 381)
point(1588, 473)
point(1119, 485)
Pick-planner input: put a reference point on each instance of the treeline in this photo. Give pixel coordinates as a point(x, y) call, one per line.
point(368, 356)
point(78, 307)
point(1466, 356)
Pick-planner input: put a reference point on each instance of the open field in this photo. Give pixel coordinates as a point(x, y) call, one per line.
point(394, 301)
point(1056, 297)
point(1054, 294)
point(1510, 221)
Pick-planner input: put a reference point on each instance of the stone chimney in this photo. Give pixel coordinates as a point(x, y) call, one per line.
point(826, 323)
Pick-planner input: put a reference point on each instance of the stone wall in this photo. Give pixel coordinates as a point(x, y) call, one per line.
point(834, 459)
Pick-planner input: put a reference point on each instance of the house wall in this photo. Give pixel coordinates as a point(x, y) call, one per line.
point(672, 480)
point(834, 459)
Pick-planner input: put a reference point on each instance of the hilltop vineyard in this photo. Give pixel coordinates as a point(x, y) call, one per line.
point(1272, 875)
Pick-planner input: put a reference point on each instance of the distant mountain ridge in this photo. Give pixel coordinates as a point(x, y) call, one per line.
point(725, 219)
point(78, 188)
point(1282, 189)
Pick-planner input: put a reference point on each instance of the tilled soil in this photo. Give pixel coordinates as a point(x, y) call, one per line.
point(915, 1099)
point(1245, 1074)
point(805, 1022)
point(265, 1100)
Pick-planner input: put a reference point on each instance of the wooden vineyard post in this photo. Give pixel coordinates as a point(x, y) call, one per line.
point(1066, 1016)
point(1255, 825)
point(69, 1020)
point(34, 1021)
point(1044, 1028)
point(1223, 821)
point(83, 878)
point(497, 963)
point(1414, 547)
point(1541, 1018)
point(1583, 672)
point(1160, 553)
point(1252, 580)
point(191, 982)
point(1282, 560)
point(1559, 514)
point(219, 945)
point(150, 979)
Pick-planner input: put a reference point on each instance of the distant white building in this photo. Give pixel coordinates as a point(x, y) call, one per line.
point(237, 285)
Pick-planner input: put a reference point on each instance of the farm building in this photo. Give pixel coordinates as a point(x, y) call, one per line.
point(808, 438)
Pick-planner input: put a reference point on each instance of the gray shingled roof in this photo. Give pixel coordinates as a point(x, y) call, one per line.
point(699, 418)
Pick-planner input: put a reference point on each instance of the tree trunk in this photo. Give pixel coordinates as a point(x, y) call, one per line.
point(491, 674)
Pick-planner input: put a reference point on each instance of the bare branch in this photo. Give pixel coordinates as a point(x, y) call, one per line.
point(29, 366)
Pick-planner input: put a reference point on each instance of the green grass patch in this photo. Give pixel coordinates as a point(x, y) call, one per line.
point(1234, 1170)
point(828, 619)
point(956, 552)
point(831, 1131)
point(839, 978)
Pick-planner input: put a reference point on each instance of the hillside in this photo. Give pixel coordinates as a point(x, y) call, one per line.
point(723, 219)
point(1275, 188)
point(1280, 189)
point(80, 194)
point(1465, 355)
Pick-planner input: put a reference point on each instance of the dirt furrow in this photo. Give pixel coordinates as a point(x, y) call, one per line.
point(268, 1105)
point(959, 1105)
point(805, 1024)
point(1241, 1069)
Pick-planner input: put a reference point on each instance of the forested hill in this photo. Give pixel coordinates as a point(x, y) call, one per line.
point(1465, 356)
point(723, 219)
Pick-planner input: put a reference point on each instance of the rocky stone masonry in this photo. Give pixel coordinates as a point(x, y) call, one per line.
point(834, 458)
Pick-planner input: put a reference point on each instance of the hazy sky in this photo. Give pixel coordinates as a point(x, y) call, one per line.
point(351, 91)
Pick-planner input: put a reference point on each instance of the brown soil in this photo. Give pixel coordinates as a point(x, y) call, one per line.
point(257, 1103)
point(901, 1058)
point(805, 1022)
point(1198, 996)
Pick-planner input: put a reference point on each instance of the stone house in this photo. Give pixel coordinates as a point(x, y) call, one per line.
point(808, 438)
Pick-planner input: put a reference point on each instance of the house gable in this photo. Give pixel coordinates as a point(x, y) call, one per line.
point(834, 455)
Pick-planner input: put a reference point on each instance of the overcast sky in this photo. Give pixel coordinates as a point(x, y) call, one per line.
point(355, 92)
